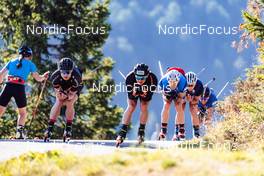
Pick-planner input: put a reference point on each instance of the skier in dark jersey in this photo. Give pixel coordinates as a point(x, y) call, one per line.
point(141, 84)
point(67, 83)
point(194, 92)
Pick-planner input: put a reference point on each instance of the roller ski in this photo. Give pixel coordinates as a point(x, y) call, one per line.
point(162, 136)
point(47, 135)
point(196, 132)
point(121, 137)
point(20, 133)
point(141, 136)
point(180, 136)
point(119, 140)
point(67, 134)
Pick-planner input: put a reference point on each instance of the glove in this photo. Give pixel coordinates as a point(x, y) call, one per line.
point(138, 89)
point(201, 115)
point(202, 109)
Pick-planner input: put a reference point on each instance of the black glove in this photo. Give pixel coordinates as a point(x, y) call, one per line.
point(138, 89)
point(202, 109)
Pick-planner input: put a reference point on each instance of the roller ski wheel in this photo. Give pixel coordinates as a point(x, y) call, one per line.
point(66, 136)
point(119, 140)
point(140, 139)
point(47, 136)
point(20, 133)
point(178, 137)
point(162, 136)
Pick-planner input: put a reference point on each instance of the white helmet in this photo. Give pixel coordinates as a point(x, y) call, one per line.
point(191, 78)
point(173, 75)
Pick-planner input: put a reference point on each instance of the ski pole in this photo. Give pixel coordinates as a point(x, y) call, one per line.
point(222, 89)
point(93, 70)
point(209, 82)
point(203, 69)
point(37, 104)
point(122, 74)
point(160, 68)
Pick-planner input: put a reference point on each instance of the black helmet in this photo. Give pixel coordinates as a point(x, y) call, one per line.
point(66, 64)
point(25, 51)
point(141, 70)
point(206, 92)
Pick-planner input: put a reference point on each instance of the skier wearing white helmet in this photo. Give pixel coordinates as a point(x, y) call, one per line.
point(172, 85)
point(193, 91)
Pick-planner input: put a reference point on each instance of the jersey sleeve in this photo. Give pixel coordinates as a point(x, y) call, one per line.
point(77, 82)
point(55, 79)
point(154, 82)
point(182, 84)
point(200, 88)
point(33, 67)
point(130, 82)
point(212, 101)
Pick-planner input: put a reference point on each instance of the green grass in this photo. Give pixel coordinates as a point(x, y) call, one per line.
point(138, 162)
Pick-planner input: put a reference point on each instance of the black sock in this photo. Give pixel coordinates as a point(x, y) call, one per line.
point(141, 129)
point(68, 125)
point(196, 129)
point(179, 128)
point(164, 128)
point(123, 130)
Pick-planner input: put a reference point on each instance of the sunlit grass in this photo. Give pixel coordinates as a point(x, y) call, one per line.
point(138, 162)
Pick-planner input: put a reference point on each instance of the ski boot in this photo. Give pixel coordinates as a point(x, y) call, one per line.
point(20, 133)
point(47, 135)
point(196, 131)
point(162, 136)
point(180, 136)
point(141, 136)
point(121, 137)
point(67, 134)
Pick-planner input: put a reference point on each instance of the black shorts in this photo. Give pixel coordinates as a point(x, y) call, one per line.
point(146, 99)
point(13, 90)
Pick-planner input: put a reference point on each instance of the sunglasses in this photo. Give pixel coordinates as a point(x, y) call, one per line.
point(66, 72)
point(204, 98)
point(190, 85)
point(141, 78)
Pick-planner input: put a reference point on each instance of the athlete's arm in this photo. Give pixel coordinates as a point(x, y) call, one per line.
point(39, 77)
point(3, 72)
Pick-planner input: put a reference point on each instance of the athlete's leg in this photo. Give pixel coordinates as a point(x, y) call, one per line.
point(194, 111)
point(2, 110)
point(5, 97)
point(180, 113)
point(144, 112)
point(179, 119)
point(131, 106)
point(70, 111)
point(22, 116)
point(209, 117)
point(165, 117)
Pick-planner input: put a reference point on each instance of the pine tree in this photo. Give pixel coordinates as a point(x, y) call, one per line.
point(253, 26)
point(95, 117)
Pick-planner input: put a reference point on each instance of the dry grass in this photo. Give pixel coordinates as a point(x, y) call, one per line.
point(243, 113)
point(138, 162)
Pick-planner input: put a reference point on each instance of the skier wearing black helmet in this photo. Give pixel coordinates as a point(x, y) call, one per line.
point(141, 84)
point(67, 83)
point(206, 105)
point(17, 71)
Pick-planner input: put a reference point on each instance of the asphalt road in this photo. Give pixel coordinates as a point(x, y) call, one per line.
point(14, 148)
